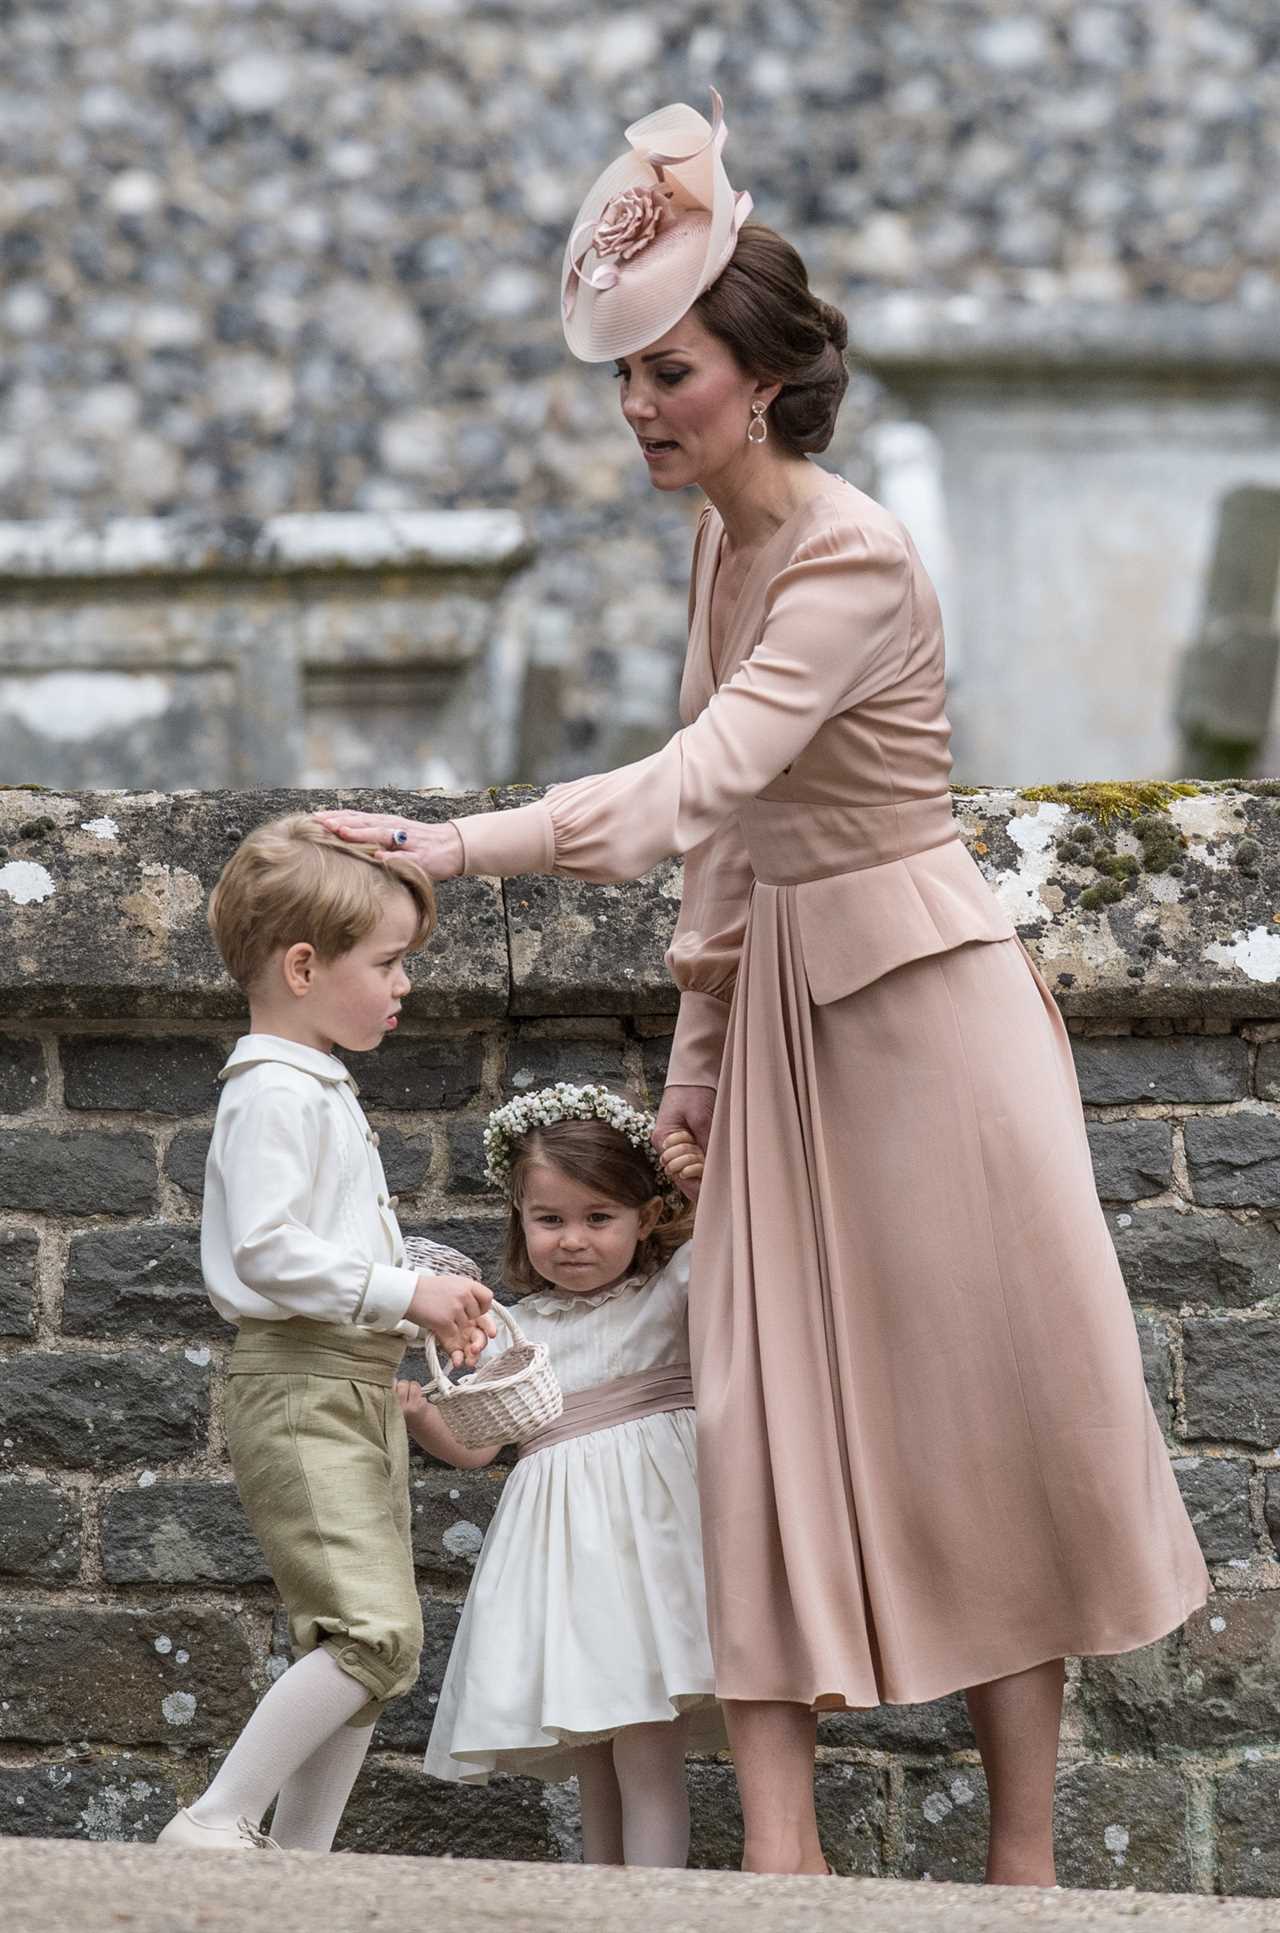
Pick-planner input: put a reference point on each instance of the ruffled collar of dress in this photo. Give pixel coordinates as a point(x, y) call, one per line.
point(561, 1302)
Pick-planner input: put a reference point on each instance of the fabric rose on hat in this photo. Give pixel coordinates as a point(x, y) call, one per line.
point(629, 222)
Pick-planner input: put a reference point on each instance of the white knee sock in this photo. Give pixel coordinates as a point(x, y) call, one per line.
point(303, 1709)
point(649, 1762)
point(311, 1802)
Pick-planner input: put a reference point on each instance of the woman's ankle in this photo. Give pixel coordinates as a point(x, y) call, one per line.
point(1014, 1868)
point(783, 1853)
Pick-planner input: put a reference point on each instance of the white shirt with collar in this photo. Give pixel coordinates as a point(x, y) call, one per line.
point(297, 1219)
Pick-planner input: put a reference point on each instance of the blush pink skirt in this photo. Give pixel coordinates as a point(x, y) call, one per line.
point(927, 1455)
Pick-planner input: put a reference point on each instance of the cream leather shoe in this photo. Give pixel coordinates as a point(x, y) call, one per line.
point(183, 1830)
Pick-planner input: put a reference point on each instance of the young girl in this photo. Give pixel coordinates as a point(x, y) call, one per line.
point(583, 1644)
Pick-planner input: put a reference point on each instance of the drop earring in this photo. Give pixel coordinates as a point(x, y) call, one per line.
point(757, 423)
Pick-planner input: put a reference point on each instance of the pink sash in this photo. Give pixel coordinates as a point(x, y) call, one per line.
point(625, 1400)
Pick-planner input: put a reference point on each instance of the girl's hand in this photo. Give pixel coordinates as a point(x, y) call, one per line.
point(682, 1162)
point(431, 1433)
point(688, 1110)
point(413, 1402)
point(437, 849)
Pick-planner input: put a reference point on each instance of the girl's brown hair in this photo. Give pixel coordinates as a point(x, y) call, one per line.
point(596, 1156)
point(777, 329)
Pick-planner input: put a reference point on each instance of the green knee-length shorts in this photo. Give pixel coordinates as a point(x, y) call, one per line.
point(321, 1461)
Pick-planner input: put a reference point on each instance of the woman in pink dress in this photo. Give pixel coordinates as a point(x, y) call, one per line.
point(928, 1460)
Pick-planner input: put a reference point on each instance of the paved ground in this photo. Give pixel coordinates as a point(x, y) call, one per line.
point(65, 1886)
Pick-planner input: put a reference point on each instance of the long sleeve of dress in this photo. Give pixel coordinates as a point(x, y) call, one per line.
point(835, 632)
point(704, 952)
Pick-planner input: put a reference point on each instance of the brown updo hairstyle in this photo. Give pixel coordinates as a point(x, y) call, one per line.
point(598, 1157)
point(777, 329)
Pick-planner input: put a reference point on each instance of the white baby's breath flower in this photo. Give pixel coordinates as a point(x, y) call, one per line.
point(566, 1101)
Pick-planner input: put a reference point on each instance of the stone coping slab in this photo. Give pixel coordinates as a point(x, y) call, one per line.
point(1165, 909)
point(906, 331)
point(47, 1887)
point(103, 897)
point(285, 545)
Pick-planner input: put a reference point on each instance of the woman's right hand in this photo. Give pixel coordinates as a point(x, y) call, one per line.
point(690, 1109)
point(437, 848)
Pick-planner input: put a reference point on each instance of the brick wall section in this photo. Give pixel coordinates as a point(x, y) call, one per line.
point(307, 256)
point(137, 1623)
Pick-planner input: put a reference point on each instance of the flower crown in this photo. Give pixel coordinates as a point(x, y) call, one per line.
point(567, 1102)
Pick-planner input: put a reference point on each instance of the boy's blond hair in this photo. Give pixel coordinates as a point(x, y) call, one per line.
point(292, 881)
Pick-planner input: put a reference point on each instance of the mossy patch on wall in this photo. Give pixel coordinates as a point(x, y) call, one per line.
point(1109, 799)
point(1107, 808)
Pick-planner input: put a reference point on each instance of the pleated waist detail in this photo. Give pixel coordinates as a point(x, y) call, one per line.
point(299, 1347)
point(854, 927)
point(624, 1400)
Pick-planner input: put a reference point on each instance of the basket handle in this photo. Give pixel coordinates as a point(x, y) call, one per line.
point(439, 1381)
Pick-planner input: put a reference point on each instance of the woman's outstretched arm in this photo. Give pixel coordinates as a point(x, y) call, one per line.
point(836, 631)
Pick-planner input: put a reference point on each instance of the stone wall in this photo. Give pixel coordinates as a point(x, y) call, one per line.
point(266, 256)
point(312, 649)
point(137, 1624)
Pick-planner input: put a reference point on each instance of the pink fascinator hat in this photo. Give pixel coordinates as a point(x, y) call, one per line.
point(656, 229)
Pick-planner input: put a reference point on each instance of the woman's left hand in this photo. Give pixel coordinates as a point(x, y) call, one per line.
point(437, 849)
point(682, 1162)
point(683, 1118)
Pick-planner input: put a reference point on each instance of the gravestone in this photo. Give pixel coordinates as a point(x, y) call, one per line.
point(1228, 676)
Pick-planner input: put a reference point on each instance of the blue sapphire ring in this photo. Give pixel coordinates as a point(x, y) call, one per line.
point(399, 837)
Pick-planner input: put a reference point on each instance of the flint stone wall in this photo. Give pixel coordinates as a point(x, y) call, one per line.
point(281, 256)
point(137, 1622)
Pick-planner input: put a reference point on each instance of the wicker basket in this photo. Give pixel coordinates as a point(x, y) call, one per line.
point(505, 1401)
point(436, 1258)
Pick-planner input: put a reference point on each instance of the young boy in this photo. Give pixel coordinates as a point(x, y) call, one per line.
point(301, 1249)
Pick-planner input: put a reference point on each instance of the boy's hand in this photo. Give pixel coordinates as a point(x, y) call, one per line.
point(682, 1162)
point(455, 1309)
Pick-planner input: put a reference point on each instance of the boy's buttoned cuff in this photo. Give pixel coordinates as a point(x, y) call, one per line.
point(387, 1296)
